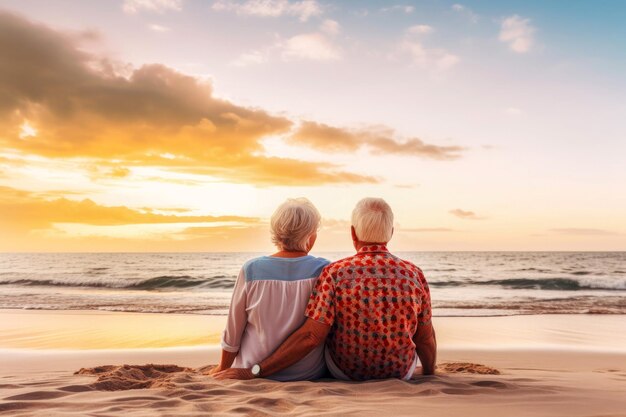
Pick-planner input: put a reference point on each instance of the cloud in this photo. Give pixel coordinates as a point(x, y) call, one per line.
point(331, 27)
point(310, 46)
point(99, 239)
point(119, 172)
point(399, 7)
point(468, 215)
point(41, 221)
point(303, 10)
point(434, 59)
point(84, 106)
point(379, 140)
point(26, 131)
point(276, 170)
point(171, 209)
point(315, 46)
point(518, 33)
point(179, 181)
point(249, 238)
point(251, 58)
point(213, 232)
point(420, 30)
point(158, 28)
point(24, 210)
point(158, 6)
point(574, 231)
point(465, 11)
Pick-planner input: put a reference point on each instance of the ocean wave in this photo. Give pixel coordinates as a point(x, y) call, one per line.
point(182, 282)
point(563, 284)
point(484, 307)
point(519, 306)
point(532, 269)
point(154, 283)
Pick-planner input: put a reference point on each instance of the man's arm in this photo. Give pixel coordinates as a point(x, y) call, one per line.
point(426, 347)
point(311, 334)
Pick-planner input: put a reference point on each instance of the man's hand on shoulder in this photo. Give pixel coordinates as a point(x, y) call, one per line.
point(234, 373)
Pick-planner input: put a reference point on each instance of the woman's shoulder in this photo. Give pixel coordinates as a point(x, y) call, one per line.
point(321, 260)
point(317, 265)
point(254, 263)
point(269, 260)
point(264, 267)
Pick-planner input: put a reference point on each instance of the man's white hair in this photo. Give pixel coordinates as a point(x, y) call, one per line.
point(372, 219)
point(293, 223)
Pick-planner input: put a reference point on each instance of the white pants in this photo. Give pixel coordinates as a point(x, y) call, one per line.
point(338, 373)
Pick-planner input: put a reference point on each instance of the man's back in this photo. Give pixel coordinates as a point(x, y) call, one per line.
point(375, 302)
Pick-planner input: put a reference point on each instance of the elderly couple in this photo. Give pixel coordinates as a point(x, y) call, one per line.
point(297, 317)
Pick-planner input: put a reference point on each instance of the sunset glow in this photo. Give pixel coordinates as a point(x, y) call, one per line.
point(181, 125)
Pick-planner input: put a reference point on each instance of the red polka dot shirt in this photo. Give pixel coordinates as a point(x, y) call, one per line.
point(374, 302)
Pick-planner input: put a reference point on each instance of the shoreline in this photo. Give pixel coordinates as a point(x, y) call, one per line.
point(208, 314)
point(94, 329)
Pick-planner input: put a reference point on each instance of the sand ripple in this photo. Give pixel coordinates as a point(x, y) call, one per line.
point(149, 390)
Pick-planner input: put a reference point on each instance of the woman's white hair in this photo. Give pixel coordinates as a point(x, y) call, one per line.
point(372, 219)
point(293, 223)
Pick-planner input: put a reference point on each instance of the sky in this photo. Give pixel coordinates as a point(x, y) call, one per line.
point(180, 125)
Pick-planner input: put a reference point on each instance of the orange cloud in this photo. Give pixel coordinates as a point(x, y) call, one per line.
point(378, 140)
point(23, 211)
point(221, 239)
point(119, 172)
point(78, 105)
point(278, 170)
point(29, 222)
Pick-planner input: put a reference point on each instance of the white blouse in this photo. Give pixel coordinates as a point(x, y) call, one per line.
point(268, 304)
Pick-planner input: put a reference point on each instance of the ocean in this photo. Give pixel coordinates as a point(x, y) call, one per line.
point(462, 283)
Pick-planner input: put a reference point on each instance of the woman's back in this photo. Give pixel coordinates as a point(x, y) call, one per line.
point(268, 304)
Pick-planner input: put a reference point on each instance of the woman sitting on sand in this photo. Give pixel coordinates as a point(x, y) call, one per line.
point(271, 293)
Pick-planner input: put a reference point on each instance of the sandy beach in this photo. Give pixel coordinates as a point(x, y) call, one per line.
point(516, 366)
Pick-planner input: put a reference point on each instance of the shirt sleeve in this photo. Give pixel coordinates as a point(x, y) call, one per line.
point(237, 316)
point(425, 315)
point(321, 306)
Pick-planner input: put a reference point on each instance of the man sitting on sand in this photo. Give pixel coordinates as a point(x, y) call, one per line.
point(372, 309)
